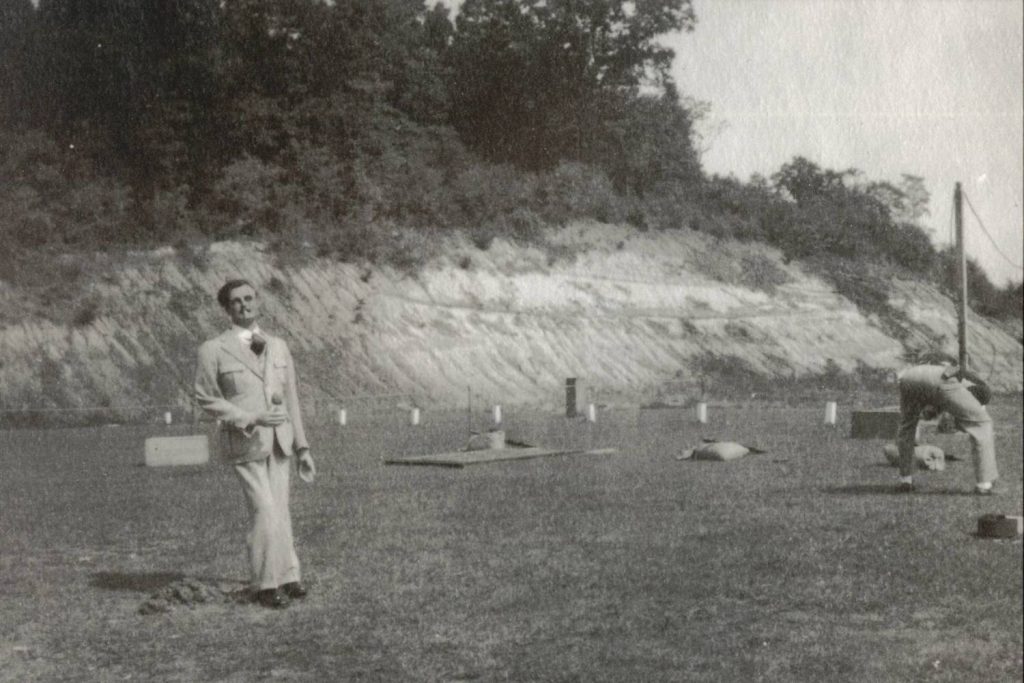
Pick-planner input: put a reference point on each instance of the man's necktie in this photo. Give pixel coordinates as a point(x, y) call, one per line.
point(257, 344)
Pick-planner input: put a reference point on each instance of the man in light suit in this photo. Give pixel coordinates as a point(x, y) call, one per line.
point(246, 379)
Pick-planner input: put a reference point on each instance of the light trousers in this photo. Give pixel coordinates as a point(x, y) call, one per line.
point(272, 557)
point(951, 396)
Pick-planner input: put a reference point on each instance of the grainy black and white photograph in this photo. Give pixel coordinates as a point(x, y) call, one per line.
point(511, 340)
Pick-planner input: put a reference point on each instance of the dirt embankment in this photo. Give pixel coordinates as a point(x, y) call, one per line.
point(625, 311)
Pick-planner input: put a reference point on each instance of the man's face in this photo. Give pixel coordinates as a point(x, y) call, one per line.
point(243, 306)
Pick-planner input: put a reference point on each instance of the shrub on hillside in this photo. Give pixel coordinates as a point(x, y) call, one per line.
point(170, 214)
point(489, 193)
point(574, 190)
point(50, 196)
point(669, 207)
point(761, 272)
point(983, 296)
point(247, 196)
point(378, 242)
point(738, 208)
point(909, 246)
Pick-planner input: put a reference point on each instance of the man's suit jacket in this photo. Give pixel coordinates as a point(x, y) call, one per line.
point(233, 384)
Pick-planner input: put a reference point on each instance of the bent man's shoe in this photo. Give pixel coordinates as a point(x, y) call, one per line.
point(904, 487)
point(273, 598)
point(990, 491)
point(295, 590)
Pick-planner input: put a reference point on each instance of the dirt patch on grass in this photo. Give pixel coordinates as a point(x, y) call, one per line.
point(191, 593)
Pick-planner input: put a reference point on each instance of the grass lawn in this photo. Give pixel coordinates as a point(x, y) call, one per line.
point(796, 565)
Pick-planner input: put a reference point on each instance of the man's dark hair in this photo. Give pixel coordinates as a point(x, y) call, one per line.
point(224, 293)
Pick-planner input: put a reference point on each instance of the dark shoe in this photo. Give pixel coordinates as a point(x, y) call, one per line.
point(295, 590)
point(904, 487)
point(273, 598)
point(991, 491)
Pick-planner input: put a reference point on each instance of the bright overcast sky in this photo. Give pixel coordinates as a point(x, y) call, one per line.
point(927, 87)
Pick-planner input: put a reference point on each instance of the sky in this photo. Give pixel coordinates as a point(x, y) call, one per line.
point(933, 88)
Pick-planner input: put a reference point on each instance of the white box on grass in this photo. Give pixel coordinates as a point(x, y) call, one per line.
point(162, 451)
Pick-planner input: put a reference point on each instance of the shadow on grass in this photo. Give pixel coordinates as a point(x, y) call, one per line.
point(890, 489)
point(144, 582)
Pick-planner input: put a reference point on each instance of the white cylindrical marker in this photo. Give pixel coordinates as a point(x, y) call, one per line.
point(702, 412)
point(830, 413)
point(342, 417)
point(496, 413)
point(414, 416)
point(591, 412)
point(168, 418)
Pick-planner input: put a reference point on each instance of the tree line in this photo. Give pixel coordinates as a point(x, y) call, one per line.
point(366, 127)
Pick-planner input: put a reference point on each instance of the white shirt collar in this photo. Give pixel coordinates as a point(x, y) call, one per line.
point(245, 334)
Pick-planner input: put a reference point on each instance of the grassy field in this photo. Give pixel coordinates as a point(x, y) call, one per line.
point(795, 565)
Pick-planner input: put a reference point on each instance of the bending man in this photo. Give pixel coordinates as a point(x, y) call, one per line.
point(932, 389)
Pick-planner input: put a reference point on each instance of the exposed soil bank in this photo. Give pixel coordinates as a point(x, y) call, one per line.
point(626, 312)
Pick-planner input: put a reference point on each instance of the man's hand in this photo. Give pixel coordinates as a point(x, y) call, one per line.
point(271, 418)
point(307, 468)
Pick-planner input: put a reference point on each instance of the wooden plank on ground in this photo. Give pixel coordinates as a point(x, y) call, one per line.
point(163, 451)
point(463, 458)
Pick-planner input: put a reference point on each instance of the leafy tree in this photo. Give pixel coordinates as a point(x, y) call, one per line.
point(17, 22)
point(528, 78)
point(982, 295)
point(804, 181)
point(641, 142)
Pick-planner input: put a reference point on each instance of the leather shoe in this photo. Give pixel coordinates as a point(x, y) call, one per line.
point(295, 590)
point(990, 491)
point(273, 598)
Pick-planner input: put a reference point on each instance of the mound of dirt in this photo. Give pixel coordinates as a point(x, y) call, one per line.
point(191, 592)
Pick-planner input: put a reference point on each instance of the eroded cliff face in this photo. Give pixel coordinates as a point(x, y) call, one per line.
point(627, 313)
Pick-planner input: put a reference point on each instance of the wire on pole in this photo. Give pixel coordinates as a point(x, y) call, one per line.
point(984, 230)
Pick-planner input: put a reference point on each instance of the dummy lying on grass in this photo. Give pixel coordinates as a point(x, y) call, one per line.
point(719, 451)
point(926, 457)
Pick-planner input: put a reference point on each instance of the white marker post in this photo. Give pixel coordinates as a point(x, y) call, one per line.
point(414, 417)
point(702, 412)
point(591, 412)
point(342, 417)
point(168, 418)
point(496, 415)
point(830, 413)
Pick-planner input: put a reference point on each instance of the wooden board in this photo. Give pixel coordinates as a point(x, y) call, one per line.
point(163, 451)
point(463, 458)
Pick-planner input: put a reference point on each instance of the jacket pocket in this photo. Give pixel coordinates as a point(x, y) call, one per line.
point(236, 442)
point(229, 378)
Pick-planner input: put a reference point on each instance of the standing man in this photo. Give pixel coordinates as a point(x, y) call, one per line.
point(246, 379)
point(932, 389)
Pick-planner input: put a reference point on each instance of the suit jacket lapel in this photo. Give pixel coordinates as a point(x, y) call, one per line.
point(266, 359)
point(233, 345)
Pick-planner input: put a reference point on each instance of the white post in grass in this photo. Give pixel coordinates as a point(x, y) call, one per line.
point(830, 413)
point(342, 417)
point(168, 418)
point(702, 412)
point(591, 412)
point(414, 416)
point(496, 414)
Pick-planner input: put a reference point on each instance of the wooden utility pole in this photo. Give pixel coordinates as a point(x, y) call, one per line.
point(961, 254)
